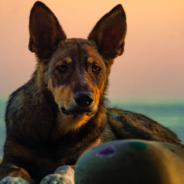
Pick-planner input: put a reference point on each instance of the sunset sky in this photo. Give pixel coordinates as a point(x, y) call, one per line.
point(151, 66)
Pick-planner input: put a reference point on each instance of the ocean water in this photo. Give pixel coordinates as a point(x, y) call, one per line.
point(168, 112)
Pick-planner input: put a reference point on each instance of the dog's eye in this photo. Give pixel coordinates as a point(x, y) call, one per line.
point(62, 68)
point(95, 69)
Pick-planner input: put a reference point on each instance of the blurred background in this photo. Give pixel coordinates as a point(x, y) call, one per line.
point(149, 76)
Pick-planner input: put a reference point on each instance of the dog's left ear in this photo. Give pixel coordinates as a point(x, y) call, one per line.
point(109, 33)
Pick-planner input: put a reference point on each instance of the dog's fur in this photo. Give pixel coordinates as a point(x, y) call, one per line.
point(60, 112)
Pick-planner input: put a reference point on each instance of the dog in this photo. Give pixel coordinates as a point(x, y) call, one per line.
point(61, 111)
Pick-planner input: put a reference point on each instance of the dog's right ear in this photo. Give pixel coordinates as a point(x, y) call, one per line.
point(45, 31)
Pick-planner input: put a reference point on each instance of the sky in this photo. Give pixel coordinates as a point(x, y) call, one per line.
point(153, 61)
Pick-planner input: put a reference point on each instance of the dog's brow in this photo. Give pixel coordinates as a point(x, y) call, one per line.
point(90, 60)
point(68, 60)
point(65, 61)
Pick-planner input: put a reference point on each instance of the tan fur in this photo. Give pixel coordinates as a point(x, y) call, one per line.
point(20, 173)
point(90, 60)
point(71, 123)
point(97, 94)
point(63, 95)
point(68, 60)
point(40, 73)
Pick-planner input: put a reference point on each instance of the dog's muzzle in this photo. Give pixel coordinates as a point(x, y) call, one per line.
point(83, 103)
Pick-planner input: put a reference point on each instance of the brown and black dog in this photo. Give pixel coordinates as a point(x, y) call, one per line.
point(60, 112)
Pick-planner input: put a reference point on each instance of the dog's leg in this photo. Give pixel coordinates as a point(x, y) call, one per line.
point(63, 174)
point(13, 175)
point(13, 180)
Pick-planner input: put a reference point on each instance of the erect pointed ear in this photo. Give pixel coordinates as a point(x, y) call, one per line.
point(109, 33)
point(45, 31)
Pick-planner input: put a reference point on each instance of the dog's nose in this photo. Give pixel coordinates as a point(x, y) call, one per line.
point(83, 99)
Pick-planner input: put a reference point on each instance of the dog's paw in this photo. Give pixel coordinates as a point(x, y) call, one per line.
point(62, 175)
point(13, 180)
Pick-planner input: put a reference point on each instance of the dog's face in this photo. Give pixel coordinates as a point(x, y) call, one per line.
point(76, 70)
point(77, 76)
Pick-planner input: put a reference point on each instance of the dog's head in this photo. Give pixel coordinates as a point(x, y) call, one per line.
point(76, 70)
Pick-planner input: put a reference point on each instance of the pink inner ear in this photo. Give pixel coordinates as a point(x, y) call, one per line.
point(111, 37)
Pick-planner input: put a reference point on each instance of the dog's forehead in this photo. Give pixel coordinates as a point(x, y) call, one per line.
point(76, 49)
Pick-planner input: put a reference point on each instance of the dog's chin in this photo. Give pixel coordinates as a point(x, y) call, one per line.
point(75, 111)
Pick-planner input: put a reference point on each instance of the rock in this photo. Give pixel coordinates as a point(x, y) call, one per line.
point(63, 174)
point(131, 162)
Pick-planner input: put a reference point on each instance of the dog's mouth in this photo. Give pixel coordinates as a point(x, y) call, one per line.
point(77, 111)
point(83, 103)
